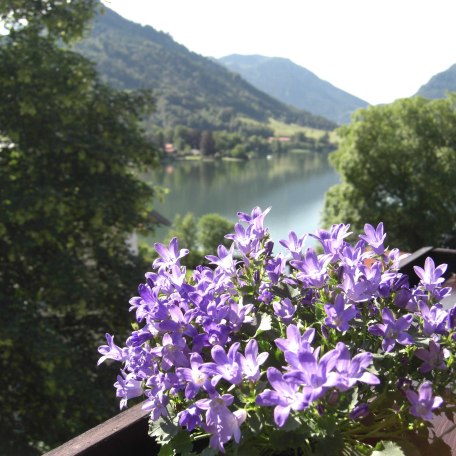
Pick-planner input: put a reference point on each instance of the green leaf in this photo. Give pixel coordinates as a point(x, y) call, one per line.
point(163, 430)
point(265, 324)
point(329, 446)
point(389, 449)
point(255, 423)
point(166, 450)
point(291, 424)
point(181, 443)
point(208, 452)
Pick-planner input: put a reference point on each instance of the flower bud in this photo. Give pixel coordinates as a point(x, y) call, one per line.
point(268, 248)
point(324, 331)
point(333, 397)
point(403, 384)
point(359, 412)
point(256, 276)
point(452, 318)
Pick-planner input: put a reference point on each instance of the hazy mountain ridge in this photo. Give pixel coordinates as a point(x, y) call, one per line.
point(294, 85)
point(439, 84)
point(191, 90)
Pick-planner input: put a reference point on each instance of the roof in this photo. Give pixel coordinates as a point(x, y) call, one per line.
point(158, 218)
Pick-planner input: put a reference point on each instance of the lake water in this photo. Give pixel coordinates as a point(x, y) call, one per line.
point(294, 186)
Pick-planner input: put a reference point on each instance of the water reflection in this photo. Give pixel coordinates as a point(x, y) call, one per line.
point(294, 185)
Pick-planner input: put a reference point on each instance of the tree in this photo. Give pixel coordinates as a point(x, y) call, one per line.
point(185, 229)
point(201, 236)
point(211, 233)
point(207, 144)
point(70, 149)
point(397, 164)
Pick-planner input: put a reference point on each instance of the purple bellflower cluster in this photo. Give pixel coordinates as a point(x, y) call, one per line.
point(307, 346)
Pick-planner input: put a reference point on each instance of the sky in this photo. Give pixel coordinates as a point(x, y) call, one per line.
point(377, 50)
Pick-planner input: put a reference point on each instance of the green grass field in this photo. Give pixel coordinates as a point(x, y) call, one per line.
point(283, 129)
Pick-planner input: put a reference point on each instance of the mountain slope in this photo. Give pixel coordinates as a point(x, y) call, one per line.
point(439, 84)
point(190, 89)
point(294, 85)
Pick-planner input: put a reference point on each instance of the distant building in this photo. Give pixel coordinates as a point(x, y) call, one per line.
point(278, 139)
point(169, 149)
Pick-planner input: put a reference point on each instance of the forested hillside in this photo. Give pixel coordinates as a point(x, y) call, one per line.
point(190, 90)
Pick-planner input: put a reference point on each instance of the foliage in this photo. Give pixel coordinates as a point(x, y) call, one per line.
point(70, 148)
point(247, 142)
point(57, 18)
point(191, 90)
point(207, 144)
point(330, 354)
point(199, 235)
point(185, 227)
point(398, 164)
point(211, 232)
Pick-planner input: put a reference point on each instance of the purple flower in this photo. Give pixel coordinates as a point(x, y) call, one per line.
point(221, 423)
point(434, 318)
point(434, 358)
point(195, 378)
point(362, 283)
point(353, 370)
point(374, 237)
point(392, 330)
point(296, 342)
point(284, 310)
point(190, 418)
point(294, 245)
point(179, 322)
point(285, 397)
point(353, 257)
point(111, 351)
point(423, 402)
point(275, 267)
point(314, 374)
point(312, 270)
point(127, 387)
point(137, 338)
point(431, 277)
point(227, 366)
point(333, 240)
point(156, 404)
point(238, 314)
point(252, 361)
point(173, 352)
point(256, 220)
point(245, 240)
point(169, 256)
point(339, 316)
point(224, 260)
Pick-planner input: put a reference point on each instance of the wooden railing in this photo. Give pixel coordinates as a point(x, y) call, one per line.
point(126, 434)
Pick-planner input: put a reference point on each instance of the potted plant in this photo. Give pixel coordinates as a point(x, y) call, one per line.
point(292, 353)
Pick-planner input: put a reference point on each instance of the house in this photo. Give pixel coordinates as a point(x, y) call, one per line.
point(169, 149)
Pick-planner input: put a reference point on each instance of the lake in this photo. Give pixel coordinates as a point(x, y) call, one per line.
point(294, 186)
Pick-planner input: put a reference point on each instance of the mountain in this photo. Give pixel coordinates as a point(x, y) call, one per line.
point(294, 85)
point(190, 89)
point(439, 84)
